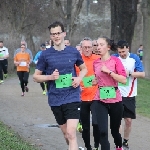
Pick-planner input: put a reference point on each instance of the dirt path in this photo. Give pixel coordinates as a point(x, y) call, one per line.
point(30, 116)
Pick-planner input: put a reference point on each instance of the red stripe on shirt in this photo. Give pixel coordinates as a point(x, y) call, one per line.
point(131, 88)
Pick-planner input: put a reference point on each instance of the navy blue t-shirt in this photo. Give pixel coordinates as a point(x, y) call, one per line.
point(64, 61)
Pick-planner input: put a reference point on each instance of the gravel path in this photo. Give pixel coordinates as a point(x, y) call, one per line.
point(30, 116)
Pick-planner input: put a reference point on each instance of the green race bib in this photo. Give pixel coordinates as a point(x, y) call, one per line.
point(107, 92)
point(121, 84)
point(1, 54)
point(64, 81)
point(141, 53)
point(87, 81)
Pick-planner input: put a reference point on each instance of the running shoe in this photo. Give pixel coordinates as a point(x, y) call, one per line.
point(1, 81)
point(81, 148)
point(125, 146)
point(5, 76)
point(79, 128)
point(22, 94)
point(44, 92)
point(95, 148)
point(26, 89)
point(119, 149)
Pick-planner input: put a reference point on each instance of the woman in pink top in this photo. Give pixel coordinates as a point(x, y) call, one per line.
point(108, 72)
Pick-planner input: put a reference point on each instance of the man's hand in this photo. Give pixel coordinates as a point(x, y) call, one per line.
point(55, 75)
point(76, 81)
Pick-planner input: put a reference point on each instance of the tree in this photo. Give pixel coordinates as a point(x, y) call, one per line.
point(69, 15)
point(123, 19)
point(146, 35)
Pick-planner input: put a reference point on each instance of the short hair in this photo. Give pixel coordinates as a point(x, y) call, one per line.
point(122, 43)
point(86, 39)
point(56, 24)
point(78, 45)
point(1, 41)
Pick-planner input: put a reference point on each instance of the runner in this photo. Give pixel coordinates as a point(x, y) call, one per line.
point(43, 84)
point(108, 71)
point(64, 89)
point(3, 61)
point(87, 96)
point(140, 52)
point(26, 50)
point(78, 47)
point(128, 91)
point(67, 42)
point(22, 61)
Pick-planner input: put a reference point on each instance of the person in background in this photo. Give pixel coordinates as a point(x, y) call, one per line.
point(26, 50)
point(42, 84)
point(95, 51)
point(67, 42)
point(134, 70)
point(78, 47)
point(48, 45)
point(87, 96)
point(22, 61)
point(3, 61)
point(140, 52)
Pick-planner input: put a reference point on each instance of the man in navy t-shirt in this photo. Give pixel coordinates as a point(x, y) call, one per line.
point(63, 83)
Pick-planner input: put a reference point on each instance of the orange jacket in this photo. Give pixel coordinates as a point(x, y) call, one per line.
point(88, 91)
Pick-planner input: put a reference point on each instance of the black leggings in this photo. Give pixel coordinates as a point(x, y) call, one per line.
point(85, 119)
point(23, 77)
point(3, 68)
point(115, 112)
point(43, 86)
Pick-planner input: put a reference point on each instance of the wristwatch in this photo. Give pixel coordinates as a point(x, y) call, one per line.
point(130, 74)
point(110, 72)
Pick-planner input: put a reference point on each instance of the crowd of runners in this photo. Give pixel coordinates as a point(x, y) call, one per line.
point(82, 82)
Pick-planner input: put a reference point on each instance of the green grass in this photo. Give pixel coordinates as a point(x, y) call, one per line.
point(12, 141)
point(143, 98)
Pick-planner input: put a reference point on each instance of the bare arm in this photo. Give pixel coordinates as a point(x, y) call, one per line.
point(83, 70)
point(82, 73)
point(118, 77)
point(138, 74)
point(38, 77)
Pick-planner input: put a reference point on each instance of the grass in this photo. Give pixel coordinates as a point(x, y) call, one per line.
point(143, 98)
point(12, 141)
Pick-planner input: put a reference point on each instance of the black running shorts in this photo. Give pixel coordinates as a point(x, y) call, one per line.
point(129, 105)
point(66, 111)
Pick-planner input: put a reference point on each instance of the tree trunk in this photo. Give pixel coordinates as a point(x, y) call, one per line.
point(146, 35)
point(69, 8)
point(123, 19)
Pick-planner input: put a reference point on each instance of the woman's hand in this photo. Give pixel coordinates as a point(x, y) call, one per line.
point(105, 69)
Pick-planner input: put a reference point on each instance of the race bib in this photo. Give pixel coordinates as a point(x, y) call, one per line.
point(1, 54)
point(121, 84)
point(107, 92)
point(64, 81)
point(87, 81)
point(141, 53)
point(23, 63)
